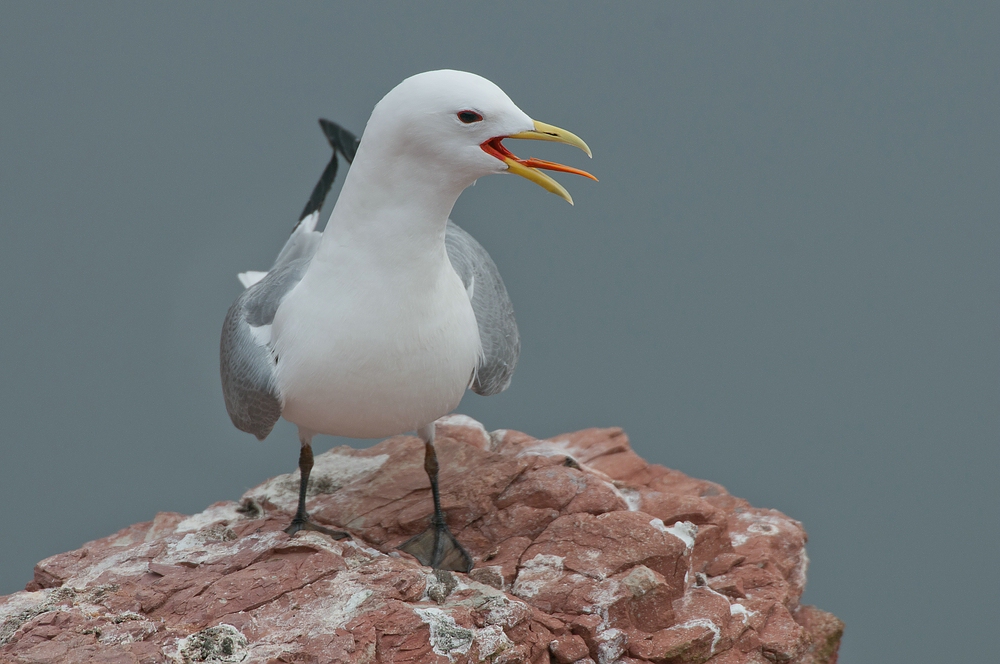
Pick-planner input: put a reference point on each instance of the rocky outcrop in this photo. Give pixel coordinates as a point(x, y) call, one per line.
point(584, 553)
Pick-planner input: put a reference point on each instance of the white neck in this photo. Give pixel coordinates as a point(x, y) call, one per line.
point(392, 204)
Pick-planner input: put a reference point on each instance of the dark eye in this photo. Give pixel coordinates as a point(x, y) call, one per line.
point(468, 117)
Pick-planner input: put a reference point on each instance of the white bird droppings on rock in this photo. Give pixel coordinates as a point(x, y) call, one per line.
point(685, 531)
point(447, 638)
point(331, 470)
point(535, 573)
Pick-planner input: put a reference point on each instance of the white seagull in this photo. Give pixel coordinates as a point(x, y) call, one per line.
point(378, 325)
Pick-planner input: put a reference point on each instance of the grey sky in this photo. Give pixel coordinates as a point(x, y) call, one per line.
point(786, 280)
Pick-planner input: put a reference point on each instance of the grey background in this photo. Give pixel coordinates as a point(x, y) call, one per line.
point(786, 280)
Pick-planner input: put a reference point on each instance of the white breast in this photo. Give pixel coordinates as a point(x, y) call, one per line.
point(373, 356)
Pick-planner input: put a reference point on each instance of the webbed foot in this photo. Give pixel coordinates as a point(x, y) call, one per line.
point(303, 523)
point(436, 547)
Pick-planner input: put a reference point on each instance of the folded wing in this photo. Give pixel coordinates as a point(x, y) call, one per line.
point(247, 361)
point(494, 311)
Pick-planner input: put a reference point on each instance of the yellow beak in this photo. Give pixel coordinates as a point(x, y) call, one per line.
point(547, 132)
point(528, 168)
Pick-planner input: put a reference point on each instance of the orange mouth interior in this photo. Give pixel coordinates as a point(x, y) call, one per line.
point(495, 147)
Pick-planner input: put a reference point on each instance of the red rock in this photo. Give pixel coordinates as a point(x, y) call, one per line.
point(782, 639)
point(669, 481)
point(822, 635)
point(502, 561)
point(734, 656)
point(567, 649)
point(772, 541)
point(596, 497)
point(688, 642)
point(584, 553)
point(515, 521)
point(674, 507)
point(650, 608)
point(710, 543)
point(547, 487)
point(723, 563)
point(600, 546)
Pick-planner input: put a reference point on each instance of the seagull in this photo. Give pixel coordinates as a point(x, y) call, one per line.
point(378, 325)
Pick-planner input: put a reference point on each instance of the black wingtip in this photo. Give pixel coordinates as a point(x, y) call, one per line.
point(321, 189)
point(343, 142)
point(340, 139)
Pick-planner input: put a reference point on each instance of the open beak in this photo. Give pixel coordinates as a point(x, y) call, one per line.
point(529, 168)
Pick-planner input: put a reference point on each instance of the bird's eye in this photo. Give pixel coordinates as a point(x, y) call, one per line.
point(468, 117)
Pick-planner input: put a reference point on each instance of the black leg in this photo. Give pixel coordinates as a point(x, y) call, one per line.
point(436, 547)
point(301, 519)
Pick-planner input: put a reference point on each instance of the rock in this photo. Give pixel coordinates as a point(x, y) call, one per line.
point(584, 553)
point(568, 649)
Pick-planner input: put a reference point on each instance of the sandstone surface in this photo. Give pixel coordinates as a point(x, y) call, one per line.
point(584, 553)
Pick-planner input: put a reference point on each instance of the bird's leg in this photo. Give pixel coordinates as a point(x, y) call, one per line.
point(436, 547)
point(301, 519)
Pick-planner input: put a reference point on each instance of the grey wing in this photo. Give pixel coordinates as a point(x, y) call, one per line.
point(493, 309)
point(302, 243)
point(247, 364)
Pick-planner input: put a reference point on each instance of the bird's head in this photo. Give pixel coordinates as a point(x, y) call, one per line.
point(453, 124)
